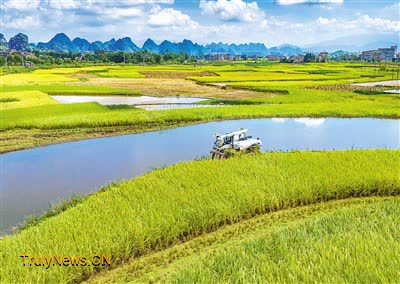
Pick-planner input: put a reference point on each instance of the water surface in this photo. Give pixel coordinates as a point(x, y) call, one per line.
point(173, 106)
point(380, 83)
point(33, 179)
point(126, 100)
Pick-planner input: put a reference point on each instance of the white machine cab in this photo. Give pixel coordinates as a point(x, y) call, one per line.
point(237, 140)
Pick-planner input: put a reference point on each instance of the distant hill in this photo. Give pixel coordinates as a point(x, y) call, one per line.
point(285, 49)
point(81, 43)
point(363, 43)
point(3, 42)
point(241, 49)
point(123, 44)
point(97, 45)
point(18, 42)
point(151, 46)
point(61, 42)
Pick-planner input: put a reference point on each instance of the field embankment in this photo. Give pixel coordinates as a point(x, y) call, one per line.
point(178, 203)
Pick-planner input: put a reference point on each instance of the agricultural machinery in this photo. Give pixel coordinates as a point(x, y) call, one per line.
point(227, 144)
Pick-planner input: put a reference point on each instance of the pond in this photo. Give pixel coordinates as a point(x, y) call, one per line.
point(380, 83)
point(33, 179)
point(173, 106)
point(127, 100)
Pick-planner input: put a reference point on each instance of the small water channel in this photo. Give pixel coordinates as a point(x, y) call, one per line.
point(33, 179)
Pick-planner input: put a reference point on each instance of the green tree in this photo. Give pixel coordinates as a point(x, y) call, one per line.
point(309, 57)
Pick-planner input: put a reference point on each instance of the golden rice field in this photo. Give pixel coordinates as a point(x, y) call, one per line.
point(294, 245)
point(173, 210)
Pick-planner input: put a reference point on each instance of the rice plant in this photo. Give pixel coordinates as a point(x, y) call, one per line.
point(180, 202)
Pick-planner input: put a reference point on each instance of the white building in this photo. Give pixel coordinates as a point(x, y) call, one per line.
point(380, 54)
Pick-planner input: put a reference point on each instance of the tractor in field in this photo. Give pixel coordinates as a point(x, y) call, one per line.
point(227, 144)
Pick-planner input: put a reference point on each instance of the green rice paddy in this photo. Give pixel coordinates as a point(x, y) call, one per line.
point(176, 204)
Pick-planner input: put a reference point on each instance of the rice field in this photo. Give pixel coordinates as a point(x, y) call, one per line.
point(176, 204)
point(302, 244)
point(261, 89)
point(23, 99)
point(357, 243)
point(272, 217)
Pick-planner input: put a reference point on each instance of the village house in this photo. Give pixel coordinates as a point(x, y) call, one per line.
point(297, 58)
point(380, 54)
point(274, 58)
point(323, 56)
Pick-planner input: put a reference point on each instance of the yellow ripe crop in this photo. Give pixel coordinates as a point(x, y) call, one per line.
point(178, 203)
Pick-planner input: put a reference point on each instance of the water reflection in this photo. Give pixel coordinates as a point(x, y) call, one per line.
point(310, 122)
point(279, 120)
point(307, 121)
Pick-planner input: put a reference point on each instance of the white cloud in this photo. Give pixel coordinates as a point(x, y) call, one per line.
point(68, 4)
point(22, 23)
point(232, 10)
point(379, 23)
point(150, 2)
point(95, 4)
point(243, 21)
point(325, 21)
point(22, 5)
point(361, 23)
point(116, 13)
point(391, 12)
point(293, 2)
point(169, 17)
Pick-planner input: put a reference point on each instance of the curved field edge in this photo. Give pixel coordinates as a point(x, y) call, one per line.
point(231, 243)
point(355, 244)
point(171, 205)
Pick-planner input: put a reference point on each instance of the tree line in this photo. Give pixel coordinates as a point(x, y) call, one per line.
point(100, 56)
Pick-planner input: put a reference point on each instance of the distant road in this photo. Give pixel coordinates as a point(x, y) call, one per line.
point(381, 83)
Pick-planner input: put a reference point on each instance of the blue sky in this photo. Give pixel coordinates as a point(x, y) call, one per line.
point(273, 22)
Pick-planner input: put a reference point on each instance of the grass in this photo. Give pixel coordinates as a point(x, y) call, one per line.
point(255, 241)
point(370, 92)
point(24, 99)
point(92, 115)
point(53, 211)
point(8, 100)
point(178, 203)
point(57, 89)
point(230, 102)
